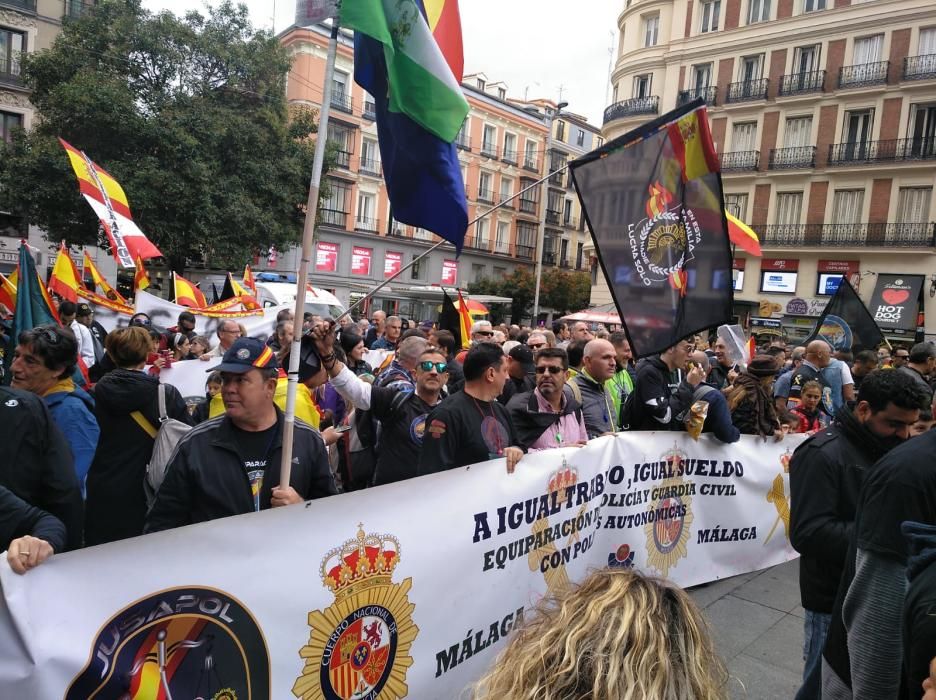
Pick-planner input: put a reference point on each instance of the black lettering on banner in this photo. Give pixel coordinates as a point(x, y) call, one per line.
point(472, 644)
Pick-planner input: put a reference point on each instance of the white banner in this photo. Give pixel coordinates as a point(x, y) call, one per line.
point(406, 590)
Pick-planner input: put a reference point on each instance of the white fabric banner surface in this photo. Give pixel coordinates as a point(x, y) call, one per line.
point(406, 590)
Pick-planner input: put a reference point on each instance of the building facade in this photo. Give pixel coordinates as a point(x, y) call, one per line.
point(824, 116)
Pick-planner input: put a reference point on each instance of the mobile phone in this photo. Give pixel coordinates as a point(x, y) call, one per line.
point(342, 428)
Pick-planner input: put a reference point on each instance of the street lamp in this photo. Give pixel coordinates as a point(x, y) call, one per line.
point(541, 238)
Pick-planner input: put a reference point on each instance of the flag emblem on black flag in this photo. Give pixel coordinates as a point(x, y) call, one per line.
point(846, 324)
point(653, 201)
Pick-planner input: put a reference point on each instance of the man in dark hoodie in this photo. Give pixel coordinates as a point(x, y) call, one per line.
point(548, 416)
point(919, 622)
point(520, 371)
point(658, 401)
point(826, 475)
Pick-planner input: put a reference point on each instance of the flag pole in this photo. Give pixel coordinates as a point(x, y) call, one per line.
point(438, 245)
point(308, 233)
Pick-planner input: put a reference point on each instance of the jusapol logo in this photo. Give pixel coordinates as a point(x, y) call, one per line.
point(663, 243)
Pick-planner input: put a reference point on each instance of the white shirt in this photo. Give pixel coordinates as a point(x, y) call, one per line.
point(85, 342)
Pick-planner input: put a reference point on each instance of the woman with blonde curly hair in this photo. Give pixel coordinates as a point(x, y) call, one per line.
point(618, 635)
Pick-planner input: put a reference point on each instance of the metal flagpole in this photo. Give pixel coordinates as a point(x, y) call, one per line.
point(308, 232)
point(443, 242)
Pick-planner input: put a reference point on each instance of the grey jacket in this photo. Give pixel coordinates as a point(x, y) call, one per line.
point(597, 406)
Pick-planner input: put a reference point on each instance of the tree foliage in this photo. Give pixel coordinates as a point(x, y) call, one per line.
point(188, 114)
point(561, 291)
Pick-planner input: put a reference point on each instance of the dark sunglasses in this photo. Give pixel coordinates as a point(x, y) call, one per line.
point(487, 333)
point(427, 365)
point(536, 346)
point(552, 369)
point(902, 357)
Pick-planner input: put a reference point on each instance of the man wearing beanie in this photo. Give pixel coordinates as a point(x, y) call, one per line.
point(521, 372)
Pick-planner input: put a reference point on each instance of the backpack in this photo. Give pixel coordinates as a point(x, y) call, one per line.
point(363, 439)
point(165, 438)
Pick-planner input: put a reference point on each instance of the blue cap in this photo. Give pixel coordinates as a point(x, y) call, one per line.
point(247, 354)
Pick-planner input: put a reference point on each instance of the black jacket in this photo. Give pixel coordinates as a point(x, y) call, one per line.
point(529, 423)
point(657, 402)
point(514, 386)
point(18, 519)
point(37, 463)
point(919, 624)
point(116, 504)
point(826, 474)
point(206, 478)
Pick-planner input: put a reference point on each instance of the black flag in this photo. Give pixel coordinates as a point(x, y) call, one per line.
point(449, 320)
point(215, 296)
point(846, 324)
point(653, 201)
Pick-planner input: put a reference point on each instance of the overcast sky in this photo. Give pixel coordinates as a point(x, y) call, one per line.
point(538, 47)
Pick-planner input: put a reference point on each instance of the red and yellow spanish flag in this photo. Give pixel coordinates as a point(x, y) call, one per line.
point(464, 318)
point(99, 281)
point(187, 294)
point(693, 146)
point(248, 300)
point(8, 291)
point(141, 279)
point(249, 280)
point(743, 236)
point(64, 279)
point(444, 22)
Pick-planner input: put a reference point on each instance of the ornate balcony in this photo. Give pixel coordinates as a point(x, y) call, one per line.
point(849, 235)
point(632, 107)
point(486, 195)
point(370, 111)
point(802, 83)
point(708, 93)
point(341, 102)
point(528, 206)
point(791, 158)
point(748, 90)
point(920, 67)
point(863, 74)
point(463, 142)
point(895, 150)
point(333, 217)
point(736, 161)
point(489, 149)
point(524, 252)
point(11, 72)
point(343, 159)
point(366, 224)
point(509, 157)
point(552, 216)
point(370, 166)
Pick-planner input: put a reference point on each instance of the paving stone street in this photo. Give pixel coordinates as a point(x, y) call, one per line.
point(758, 625)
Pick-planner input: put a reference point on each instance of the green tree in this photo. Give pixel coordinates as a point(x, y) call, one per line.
point(189, 115)
point(565, 292)
point(518, 285)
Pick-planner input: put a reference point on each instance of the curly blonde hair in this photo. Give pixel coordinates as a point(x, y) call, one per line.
point(618, 635)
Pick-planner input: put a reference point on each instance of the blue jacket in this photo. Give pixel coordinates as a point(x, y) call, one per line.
point(73, 413)
point(718, 420)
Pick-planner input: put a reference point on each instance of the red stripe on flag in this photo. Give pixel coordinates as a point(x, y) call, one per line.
point(448, 35)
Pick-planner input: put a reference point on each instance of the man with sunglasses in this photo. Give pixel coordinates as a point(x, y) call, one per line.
point(548, 417)
point(481, 332)
point(401, 412)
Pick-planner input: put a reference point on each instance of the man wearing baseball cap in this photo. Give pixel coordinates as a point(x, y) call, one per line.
point(230, 465)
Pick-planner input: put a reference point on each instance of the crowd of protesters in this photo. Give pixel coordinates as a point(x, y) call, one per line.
point(79, 449)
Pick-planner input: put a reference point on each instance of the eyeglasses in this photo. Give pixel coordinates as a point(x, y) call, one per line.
point(427, 365)
point(552, 369)
point(902, 357)
point(487, 333)
point(536, 346)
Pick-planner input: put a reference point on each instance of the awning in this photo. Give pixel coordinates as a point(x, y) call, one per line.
point(896, 302)
point(476, 306)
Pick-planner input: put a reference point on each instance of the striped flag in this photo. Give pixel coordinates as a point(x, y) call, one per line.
point(65, 279)
point(464, 318)
point(8, 291)
point(107, 198)
point(743, 235)
point(444, 22)
point(141, 278)
point(249, 280)
point(99, 280)
point(187, 294)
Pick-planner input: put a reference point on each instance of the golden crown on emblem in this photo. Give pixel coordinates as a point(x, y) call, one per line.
point(368, 557)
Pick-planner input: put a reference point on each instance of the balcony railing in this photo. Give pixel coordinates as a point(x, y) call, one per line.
point(557, 178)
point(485, 195)
point(341, 102)
point(530, 164)
point(502, 247)
point(463, 143)
point(363, 223)
point(343, 159)
point(632, 107)
point(524, 252)
point(509, 157)
point(848, 235)
point(789, 158)
point(370, 111)
point(333, 217)
point(920, 67)
point(475, 243)
point(740, 160)
point(708, 93)
point(21, 5)
point(528, 206)
point(549, 257)
point(748, 90)
point(882, 151)
point(863, 74)
point(370, 166)
point(506, 200)
point(802, 83)
point(73, 8)
point(489, 149)
point(10, 71)
point(552, 216)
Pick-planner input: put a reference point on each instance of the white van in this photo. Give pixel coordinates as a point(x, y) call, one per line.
point(317, 301)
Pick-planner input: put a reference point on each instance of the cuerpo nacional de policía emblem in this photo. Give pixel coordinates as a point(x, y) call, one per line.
point(359, 646)
point(665, 240)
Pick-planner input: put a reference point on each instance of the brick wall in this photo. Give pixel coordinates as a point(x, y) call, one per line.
point(835, 59)
point(768, 137)
point(725, 72)
point(688, 29)
point(784, 8)
point(682, 78)
point(880, 200)
point(842, 3)
point(732, 14)
point(718, 133)
point(890, 118)
point(826, 133)
point(777, 66)
point(761, 204)
point(899, 50)
point(815, 207)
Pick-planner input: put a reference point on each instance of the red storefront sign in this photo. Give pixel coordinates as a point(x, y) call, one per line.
point(326, 257)
point(361, 261)
point(450, 272)
point(779, 264)
point(392, 263)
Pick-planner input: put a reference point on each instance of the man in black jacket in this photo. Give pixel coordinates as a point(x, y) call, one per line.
point(29, 535)
point(826, 475)
point(520, 373)
point(657, 402)
point(231, 465)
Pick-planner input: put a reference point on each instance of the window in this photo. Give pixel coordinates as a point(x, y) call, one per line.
point(370, 107)
point(481, 84)
point(567, 212)
point(701, 76)
point(510, 147)
point(418, 270)
point(343, 138)
point(736, 205)
point(806, 59)
point(868, 49)
point(560, 130)
point(847, 206)
point(580, 137)
point(789, 206)
point(927, 42)
point(502, 93)
point(813, 5)
point(335, 207)
point(751, 68)
point(922, 130)
point(461, 139)
point(708, 16)
point(506, 188)
point(913, 205)
point(482, 231)
point(529, 154)
point(798, 132)
point(502, 239)
point(500, 272)
point(8, 122)
point(370, 158)
point(642, 85)
point(366, 212)
point(553, 205)
point(485, 187)
point(12, 46)
point(579, 254)
point(526, 234)
point(651, 30)
point(758, 11)
point(489, 140)
point(857, 128)
point(743, 136)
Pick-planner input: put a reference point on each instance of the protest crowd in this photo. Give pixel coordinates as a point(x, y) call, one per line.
point(80, 467)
